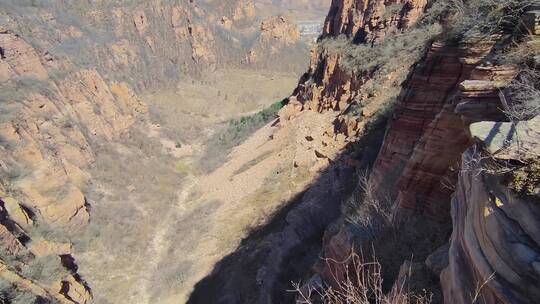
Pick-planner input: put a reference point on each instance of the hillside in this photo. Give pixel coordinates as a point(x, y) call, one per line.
point(257, 151)
point(88, 86)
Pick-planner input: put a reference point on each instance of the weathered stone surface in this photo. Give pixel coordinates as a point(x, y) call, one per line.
point(421, 131)
point(438, 260)
point(363, 19)
point(494, 242)
point(281, 29)
point(18, 58)
point(328, 85)
point(509, 140)
point(16, 212)
point(29, 286)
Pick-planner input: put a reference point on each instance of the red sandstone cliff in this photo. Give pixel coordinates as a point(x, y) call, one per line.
point(418, 164)
point(328, 85)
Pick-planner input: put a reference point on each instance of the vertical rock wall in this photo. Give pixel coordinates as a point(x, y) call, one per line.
point(328, 85)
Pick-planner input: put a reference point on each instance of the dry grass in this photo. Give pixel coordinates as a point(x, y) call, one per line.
point(362, 58)
point(524, 93)
point(366, 209)
point(523, 51)
point(485, 16)
point(362, 284)
point(370, 217)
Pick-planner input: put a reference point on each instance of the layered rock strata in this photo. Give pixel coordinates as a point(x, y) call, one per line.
point(495, 250)
point(328, 85)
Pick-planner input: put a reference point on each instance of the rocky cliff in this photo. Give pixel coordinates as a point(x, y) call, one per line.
point(423, 168)
point(495, 241)
point(144, 43)
point(49, 130)
point(69, 71)
point(328, 84)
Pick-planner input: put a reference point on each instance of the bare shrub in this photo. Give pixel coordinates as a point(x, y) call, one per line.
point(47, 269)
point(371, 219)
point(10, 294)
point(525, 180)
point(523, 51)
point(367, 209)
point(524, 93)
point(486, 16)
point(362, 284)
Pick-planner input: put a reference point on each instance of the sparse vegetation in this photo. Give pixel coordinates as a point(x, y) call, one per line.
point(235, 133)
point(523, 52)
point(12, 295)
point(182, 168)
point(46, 269)
point(42, 230)
point(526, 180)
point(238, 129)
point(371, 219)
point(524, 93)
point(388, 55)
point(64, 121)
point(362, 284)
point(485, 16)
point(392, 10)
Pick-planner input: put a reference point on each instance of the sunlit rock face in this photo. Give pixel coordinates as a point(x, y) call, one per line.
point(328, 85)
point(69, 73)
point(428, 141)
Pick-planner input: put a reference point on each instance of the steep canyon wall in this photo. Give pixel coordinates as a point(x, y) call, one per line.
point(454, 85)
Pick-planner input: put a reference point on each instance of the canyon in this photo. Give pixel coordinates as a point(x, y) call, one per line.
point(239, 151)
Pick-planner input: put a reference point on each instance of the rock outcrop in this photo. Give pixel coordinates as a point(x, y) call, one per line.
point(47, 144)
point(68, 77)
point(495, 250)
point(278, 41)
point(416, 165)
point(18, 58)
point(328, 85)
point(370, 20)
point(145, 44)
point(493, 247)
point(279, 28)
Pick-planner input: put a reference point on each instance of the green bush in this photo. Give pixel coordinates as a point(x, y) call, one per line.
point(238, 129)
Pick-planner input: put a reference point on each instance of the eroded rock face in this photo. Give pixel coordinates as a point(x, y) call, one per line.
point(494, 252)
point(278, 41)
point(417, 166)
point(364, 20)
point(46, 148)
point(279, 28)
point(18, 58)
point(68, 88)
point(426, 137)
point(328, 85)
point(145, 44)
point(50, 141)
point(50, 126)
